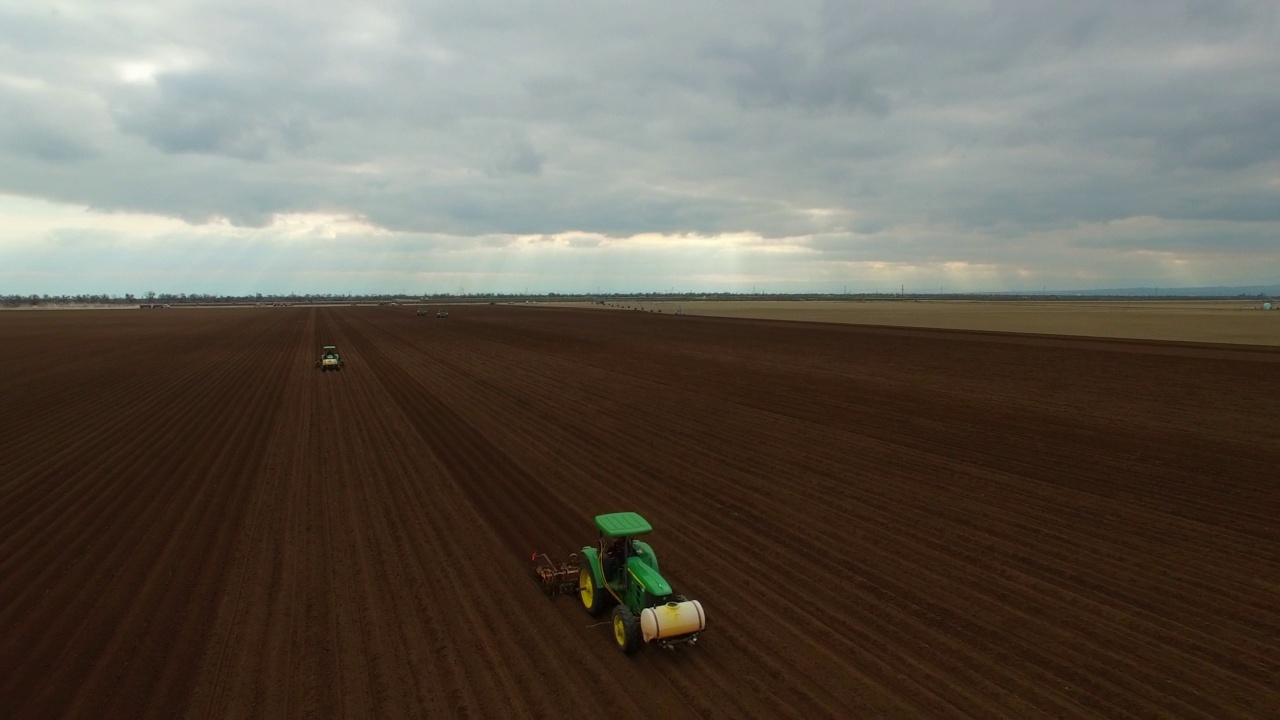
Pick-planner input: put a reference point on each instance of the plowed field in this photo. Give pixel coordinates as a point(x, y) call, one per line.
point(878, 521)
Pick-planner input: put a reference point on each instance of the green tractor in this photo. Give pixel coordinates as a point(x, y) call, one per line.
point(622, 572)
point(329, 359)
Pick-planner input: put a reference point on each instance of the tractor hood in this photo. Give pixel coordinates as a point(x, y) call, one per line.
point(647, 577)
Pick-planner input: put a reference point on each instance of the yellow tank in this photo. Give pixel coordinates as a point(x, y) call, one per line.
point(672, 620)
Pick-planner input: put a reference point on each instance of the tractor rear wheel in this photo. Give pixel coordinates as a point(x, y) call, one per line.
point(626, 629)
point(593, 597)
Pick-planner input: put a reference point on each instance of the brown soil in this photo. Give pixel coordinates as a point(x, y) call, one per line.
point(879, 522)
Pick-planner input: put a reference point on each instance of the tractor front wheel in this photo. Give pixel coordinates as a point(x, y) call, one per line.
point(626, 629)
point(593, 597)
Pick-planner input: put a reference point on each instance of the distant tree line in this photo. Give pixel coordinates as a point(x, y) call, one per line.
point(37, 300)
point(174, 299)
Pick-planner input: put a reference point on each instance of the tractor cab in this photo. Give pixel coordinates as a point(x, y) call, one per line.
point(618, 545)
point(628, 566)
point(330, 351)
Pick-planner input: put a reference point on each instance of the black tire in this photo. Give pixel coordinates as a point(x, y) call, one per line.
point(593, 597)
point(626, 629)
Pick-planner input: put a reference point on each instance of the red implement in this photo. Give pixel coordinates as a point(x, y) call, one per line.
point(555, 578)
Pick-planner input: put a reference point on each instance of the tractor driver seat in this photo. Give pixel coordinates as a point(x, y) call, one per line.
point(615, 559)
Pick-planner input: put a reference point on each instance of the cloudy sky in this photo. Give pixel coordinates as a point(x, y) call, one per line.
point(630, 145)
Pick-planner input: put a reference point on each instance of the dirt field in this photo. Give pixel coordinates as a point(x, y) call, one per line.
point(1215, 321)
point(879, 522)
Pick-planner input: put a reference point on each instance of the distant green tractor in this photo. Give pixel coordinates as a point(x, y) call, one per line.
point(622, 572)
point(329, 359)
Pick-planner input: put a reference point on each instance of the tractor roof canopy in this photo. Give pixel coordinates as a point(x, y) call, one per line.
point(622, 524)
point(330, 347)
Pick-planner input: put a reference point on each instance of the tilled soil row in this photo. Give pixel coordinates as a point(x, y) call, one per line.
point(880, 522)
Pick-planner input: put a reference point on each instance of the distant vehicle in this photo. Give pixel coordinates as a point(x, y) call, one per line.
point(329, 359)
point(442, 314)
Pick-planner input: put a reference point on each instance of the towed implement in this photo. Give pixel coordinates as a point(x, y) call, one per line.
point(622, 572)
point(556, 578)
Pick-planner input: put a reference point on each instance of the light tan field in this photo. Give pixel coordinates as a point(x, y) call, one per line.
point(1211, 321)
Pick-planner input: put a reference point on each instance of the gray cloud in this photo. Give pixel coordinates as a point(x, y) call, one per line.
point(37, 127)
point(1005, 121)
point(516, 156)
point(44, 144)
point(207, 113)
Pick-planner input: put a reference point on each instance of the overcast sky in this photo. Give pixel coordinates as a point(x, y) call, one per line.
point(628, 145)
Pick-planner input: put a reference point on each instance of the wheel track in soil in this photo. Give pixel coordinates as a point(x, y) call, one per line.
point(466, 459)
point(107, 441)
point(28, 454)
point(529, 494)
point(890, 558)
point(254, 568)
point(370, 429)
point(788, 434)
point(110, 417)
point(447, 435)
point(123, 507)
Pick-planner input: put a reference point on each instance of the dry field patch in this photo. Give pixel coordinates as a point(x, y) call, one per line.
point(1217, 321)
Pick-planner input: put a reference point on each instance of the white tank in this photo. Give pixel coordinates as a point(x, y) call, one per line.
point(672, 620)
